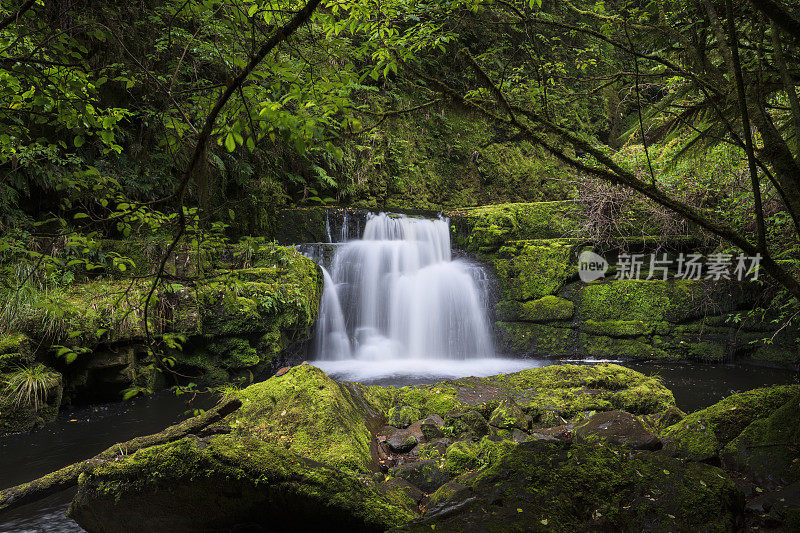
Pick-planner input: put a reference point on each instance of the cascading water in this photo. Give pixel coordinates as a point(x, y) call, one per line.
point(397, 294)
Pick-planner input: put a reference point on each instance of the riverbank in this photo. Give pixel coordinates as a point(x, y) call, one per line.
point(25, 456)
point(469, 433)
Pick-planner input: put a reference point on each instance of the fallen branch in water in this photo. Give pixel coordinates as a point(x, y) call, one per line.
point(67, 477)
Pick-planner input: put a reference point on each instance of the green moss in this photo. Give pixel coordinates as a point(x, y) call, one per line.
point(640, 300)
point(546, 309)
point(429, 399)
point(562, 389)
point(569, 389)
point(529, 270)
point(767, 448)
point(14, 343)
point(776, 354)
point(462, 456)
point(708, 352)
point(226, 480)
point(702, 434)
point(283, 298)
point(403, 416)
point(617, 328)
point(509, 415)
point(485, 228)
point(639, 348)
point(547, 340)
point(309, 413)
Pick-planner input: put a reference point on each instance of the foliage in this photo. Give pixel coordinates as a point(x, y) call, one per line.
point(29, 387)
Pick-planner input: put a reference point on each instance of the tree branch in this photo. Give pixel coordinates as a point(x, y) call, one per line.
point(67, 477)
point(279, 36)
point(15, 16)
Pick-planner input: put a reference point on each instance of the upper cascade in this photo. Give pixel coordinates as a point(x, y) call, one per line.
point(396, 293)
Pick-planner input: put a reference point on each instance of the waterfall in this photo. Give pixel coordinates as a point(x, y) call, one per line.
point(397, 294)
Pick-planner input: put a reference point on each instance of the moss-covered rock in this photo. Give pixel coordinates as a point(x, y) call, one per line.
point(427, 475)
point(485, 228)
point(546, 309)
point(617, 427)
point(402, 416)
point(602, 347)
point(640, 300)
point(310, 414)
point(767, 449)
point(562, 389)
point(546, 340)
point(543, 486)
point(701, 435)
point(227, 482)
point(509, 415)
point(529, 270)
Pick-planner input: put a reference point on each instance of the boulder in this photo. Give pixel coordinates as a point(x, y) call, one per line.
point(545, 486)
point(701, 435)
point(425, 475)
point(431, 427)
point(617, 427)
point(470, 424)
point(402, 416)
point(228, 483)
point(509, 415)
point(400, 491)
point(401, 441)
point(768, 450)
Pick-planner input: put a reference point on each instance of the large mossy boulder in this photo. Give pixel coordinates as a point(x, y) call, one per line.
point(561, 389)
point(768, 450)
point(301, 454)
point(546, 486)
point(701, 435)
point(225, 483)
point(295, 456)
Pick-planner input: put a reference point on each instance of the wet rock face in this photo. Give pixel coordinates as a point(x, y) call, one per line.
point(617, 427)
point(401, 441)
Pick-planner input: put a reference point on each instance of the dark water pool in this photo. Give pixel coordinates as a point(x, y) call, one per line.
point(78, 434)
point(83, 432)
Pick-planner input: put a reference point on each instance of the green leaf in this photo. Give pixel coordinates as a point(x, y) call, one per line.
point(230, 142)
point(78, 141)
point(80, 215)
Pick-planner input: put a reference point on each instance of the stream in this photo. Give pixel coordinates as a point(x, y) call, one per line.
point(82, 432)
point(397, 309)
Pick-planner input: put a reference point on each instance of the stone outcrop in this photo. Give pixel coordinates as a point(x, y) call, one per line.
point(304, 445)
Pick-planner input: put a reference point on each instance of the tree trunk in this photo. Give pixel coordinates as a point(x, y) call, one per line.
point(67, 477)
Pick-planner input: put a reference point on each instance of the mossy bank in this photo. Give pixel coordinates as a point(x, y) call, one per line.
point(235, 316)
point(544, 309)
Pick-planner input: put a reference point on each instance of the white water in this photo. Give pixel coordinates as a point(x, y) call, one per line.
point(424, 370)
point(397, 295)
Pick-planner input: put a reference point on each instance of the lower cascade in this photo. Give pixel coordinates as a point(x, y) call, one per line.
point(398, 294)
